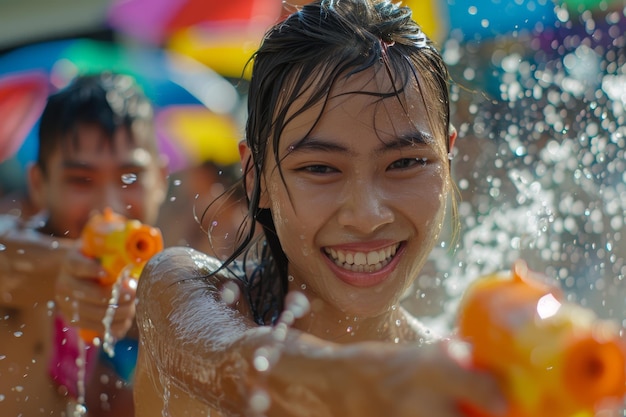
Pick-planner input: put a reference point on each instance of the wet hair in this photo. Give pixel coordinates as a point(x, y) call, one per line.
point(310, 51)
point(110, 101)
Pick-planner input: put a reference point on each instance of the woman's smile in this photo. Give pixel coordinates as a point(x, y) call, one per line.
point(364, 268)
point(356, 261)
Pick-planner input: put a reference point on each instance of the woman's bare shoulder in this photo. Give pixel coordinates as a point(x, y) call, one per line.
point(181, 281)
point(183, 265)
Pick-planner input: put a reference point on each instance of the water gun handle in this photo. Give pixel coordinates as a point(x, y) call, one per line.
point(553, 358)
point(121, 245)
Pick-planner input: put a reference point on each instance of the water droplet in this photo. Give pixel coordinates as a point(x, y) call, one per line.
point(259, 401)
point(261, 362)
point(230, 293)
point(129, 178)
point(297, 303)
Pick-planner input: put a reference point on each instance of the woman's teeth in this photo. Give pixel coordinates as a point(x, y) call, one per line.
point(362, 261)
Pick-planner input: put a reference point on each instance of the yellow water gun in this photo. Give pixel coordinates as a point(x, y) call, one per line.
point(121, 245)
point(552, 358)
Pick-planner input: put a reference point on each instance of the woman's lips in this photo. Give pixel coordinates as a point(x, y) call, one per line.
point(363, 268)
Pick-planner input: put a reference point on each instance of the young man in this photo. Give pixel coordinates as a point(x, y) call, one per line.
point(97, 149)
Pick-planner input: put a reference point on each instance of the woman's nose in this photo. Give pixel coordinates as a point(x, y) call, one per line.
point(364, 208)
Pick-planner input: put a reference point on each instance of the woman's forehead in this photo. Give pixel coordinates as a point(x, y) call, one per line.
point(397, 106)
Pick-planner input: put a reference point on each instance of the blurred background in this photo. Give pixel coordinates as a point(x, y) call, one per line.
point(538, 98)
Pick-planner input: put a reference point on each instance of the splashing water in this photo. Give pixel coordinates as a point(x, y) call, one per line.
point(108, 342)
point(540, 162)
point(81, 365)
point(296, 306)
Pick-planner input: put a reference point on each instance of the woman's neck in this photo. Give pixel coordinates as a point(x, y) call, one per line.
point(395, 326)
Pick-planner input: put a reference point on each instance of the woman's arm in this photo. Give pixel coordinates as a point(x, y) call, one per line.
point(195, 340)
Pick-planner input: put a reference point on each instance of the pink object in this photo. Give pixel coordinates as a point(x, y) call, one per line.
point(143, 20)
point(155, 20)
point(66, 350)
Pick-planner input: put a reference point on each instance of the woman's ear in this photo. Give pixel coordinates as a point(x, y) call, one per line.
point(247, 165)
point(452, 138)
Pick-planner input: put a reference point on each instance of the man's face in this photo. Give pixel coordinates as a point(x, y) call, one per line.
point(86, 178)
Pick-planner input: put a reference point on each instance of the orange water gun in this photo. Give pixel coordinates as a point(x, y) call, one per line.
point(121, 245)
point(553, 358)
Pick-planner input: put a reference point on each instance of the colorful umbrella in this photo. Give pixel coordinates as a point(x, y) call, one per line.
point(22, 98)
point(487, 19)
point(220, 34)
point(592, 5)
point(199, 135)
point(226, 47)
point(154, 21)
point(167, 78)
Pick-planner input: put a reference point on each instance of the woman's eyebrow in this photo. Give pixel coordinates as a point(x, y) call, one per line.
point(405, 141)
point(313, 143)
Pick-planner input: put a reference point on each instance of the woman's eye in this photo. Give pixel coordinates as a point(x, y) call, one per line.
point(408, 163)
point(319, 169)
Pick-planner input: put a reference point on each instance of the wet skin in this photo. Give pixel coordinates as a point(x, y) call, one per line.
point(350, 190)
point(368, 185)
point(77, 182)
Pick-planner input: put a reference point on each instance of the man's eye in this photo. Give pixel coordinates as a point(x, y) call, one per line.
point(408, 163)
point(80, 180)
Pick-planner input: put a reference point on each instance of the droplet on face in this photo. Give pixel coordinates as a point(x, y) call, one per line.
point(129, 178)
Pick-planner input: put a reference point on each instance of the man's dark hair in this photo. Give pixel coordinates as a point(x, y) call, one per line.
point(110, 101)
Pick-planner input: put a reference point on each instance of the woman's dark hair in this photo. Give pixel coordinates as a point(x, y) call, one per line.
point(110, 101)
point(334, 39)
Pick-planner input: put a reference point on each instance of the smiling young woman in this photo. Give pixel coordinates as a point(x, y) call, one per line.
point(347, 176)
